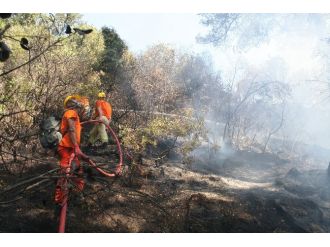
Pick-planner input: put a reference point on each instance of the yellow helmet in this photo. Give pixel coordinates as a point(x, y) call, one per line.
point(101, 95)
point(75, 99)
point(66, 100)
point(81, 102)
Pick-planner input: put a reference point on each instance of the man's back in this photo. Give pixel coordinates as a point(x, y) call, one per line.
point(105, 107)
point(66, 141)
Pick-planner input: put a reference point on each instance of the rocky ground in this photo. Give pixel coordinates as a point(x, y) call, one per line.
point(240, 192)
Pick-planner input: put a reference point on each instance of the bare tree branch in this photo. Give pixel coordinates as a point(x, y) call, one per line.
point(34, 58)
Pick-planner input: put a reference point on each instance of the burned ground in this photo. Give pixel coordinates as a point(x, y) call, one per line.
point(244, 192)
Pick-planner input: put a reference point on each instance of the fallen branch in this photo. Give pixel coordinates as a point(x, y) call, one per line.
point(25, 157)
point(28, 188)
point(37, 184)
point(28, 181)
point(11, 201)
point(152, 200)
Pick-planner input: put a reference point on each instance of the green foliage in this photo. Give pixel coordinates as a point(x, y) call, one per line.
point(136, 139)
point(155, 79)
point(26, 19)
point(161, 80)
point(63, 65)
point(183, 126)
point(111, 59)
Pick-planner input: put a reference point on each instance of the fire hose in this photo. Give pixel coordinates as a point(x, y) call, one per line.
point(120, 163)
point(118, 171)
point(64, 204)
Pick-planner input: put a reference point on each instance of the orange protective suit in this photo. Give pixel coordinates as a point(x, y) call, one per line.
point(105, 107)
point(65, 150)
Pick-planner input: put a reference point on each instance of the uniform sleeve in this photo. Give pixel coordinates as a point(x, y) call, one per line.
point(98, 103)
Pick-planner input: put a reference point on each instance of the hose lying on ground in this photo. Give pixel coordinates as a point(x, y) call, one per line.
point(120, 163)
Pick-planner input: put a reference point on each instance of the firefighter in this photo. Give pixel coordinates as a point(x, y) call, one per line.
point(103, 112)
point(75, 109)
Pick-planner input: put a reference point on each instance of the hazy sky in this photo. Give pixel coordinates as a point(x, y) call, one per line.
point(143, 30)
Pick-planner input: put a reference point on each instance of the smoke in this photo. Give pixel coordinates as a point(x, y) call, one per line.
point(211, 155)
point(296, 53)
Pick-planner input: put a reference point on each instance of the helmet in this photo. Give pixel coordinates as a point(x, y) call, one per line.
point(101, 95)
point(82, 103)
point(72, 101)
point(70, 97)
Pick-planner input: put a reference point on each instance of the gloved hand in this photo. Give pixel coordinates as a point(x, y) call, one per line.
point(79, 153)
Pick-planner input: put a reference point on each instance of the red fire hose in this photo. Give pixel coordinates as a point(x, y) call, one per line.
point(64, 204)
point(120, 163)
point(118, 171)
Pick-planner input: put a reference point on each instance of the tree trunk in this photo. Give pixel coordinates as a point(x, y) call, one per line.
point(266, 143)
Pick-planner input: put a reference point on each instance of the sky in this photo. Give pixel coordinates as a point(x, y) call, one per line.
point(141, 31)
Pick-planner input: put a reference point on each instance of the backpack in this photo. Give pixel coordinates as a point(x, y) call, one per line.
point(49, 135)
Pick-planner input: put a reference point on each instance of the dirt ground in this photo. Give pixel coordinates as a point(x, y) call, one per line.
point(242, 192)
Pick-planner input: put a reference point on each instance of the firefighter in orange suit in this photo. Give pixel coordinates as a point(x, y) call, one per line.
point(76, 107)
